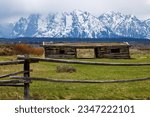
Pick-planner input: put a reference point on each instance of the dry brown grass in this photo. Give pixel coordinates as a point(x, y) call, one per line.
point(85, 53)
point(65, 68)
point(28, 49)
point(8, 50)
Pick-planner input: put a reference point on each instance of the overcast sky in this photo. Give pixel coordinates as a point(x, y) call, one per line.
point(10, 10)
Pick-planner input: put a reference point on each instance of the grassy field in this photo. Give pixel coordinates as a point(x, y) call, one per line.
point(45, 90)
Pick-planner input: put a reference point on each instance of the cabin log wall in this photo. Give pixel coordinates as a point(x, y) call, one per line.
point(105, 52)
point(55, 52)
point(100, 52)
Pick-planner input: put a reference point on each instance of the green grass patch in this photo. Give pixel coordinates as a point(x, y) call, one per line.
point(47, 90)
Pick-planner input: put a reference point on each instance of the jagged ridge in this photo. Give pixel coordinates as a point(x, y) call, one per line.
point(79, 24)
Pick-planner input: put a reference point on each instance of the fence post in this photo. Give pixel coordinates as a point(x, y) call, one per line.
point(26, 74)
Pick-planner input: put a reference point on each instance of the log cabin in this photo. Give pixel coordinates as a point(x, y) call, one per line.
point(86, 50)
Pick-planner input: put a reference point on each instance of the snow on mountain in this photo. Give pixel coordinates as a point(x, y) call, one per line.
point(79, 24)
point(73, 24)
point(124, 25)
point(26, 27)
point(147, 22)
point(20, 27)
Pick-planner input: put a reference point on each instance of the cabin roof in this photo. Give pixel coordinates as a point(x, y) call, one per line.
point(46, 44)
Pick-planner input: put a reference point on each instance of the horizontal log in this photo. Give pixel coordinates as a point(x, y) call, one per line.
point(15, 73)
point(82, 81)
point(14, 81)
point(12, 62)
point(61, 56)
point(16, 62)
point(12, 85)
point(114, 54)
point(84, 62)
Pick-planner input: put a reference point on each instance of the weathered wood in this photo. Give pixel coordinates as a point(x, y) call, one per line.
point(61, 56)
point(26, 75)
point(84, 62)
point(12, 85)
point(11, 62)
point(15, 62)
point(13, 81)
point(16, 73)
point(106, 52)
point(82, 81)
point(99, 49)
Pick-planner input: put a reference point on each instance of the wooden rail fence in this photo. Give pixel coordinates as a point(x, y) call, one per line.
point(82, 62)
point(19, 81)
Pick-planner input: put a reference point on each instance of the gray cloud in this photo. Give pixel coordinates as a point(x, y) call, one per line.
point(10, 10)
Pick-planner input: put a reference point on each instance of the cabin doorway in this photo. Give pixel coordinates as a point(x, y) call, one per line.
point(96, 53)
point(85, 53)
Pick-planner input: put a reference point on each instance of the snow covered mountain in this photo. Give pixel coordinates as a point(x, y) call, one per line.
point(79, 24)
point(147, 22)
point(125, 25)
point(73, 24)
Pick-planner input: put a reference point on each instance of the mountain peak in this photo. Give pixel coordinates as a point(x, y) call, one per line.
point(80, 24)
point(80, 12)
point(113, 13)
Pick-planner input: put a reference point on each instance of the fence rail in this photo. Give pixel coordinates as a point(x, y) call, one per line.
point(83, 62)
point(12, 62)
point(12, 85)
point(25, 80)
point(20, 82)
point(80, 81)
point(15, 73)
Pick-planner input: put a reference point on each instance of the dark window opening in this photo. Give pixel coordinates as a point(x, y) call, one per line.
point(96, 52)
point(115, 50)
point(62, 52)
